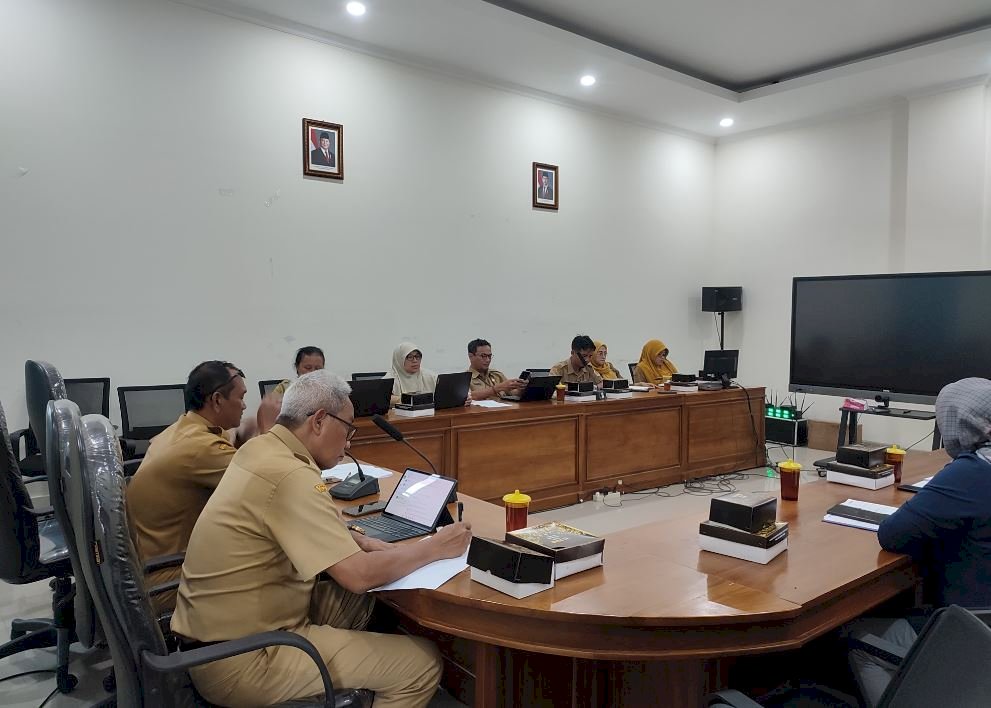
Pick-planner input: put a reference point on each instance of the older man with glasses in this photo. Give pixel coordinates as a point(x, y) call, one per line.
point(487, 382)
point(267, 533)
point(184, 464)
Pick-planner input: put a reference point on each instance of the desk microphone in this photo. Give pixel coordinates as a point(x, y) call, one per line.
point(396, 435)
point(356, 485)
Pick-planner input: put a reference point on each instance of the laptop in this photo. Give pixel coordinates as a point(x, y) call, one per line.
point(413, 510)
point(370, 396)
point(451, 390)
point(538, 388)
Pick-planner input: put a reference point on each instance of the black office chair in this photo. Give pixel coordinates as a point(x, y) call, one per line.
point(91, 395)
point(148, 673)
point(633, 369)
point(368, 375)
point(265, 387)
point(31, 549)
point(946, 665)
point(40, 387)
point(145, 411)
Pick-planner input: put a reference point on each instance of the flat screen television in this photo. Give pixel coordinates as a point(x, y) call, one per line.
point(902, 336)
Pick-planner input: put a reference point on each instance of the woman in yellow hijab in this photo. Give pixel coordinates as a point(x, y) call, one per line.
point(599, 363)
point(654, 366)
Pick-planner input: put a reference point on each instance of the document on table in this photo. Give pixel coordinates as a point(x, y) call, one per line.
point(430, 576)
point(859, 514)
point(635, 387)
point(343, 471)
point(490, 404)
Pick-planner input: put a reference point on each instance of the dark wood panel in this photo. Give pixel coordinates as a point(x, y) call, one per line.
point(386, 452)
point(723, 431)
point(625, 443)
point(530, 456)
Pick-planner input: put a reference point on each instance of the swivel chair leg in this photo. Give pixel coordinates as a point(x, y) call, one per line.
point(20, 627)
point(38, 639)
point(65, 628)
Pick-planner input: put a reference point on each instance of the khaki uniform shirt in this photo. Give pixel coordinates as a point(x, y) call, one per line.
point(184, 464)
point(281, 387)
point(267, 531)
point(572, 375)
point(481, 382)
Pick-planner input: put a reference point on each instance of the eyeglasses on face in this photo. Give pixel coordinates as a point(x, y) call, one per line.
point(484, 356)
point(414, 356)
point(352, 430)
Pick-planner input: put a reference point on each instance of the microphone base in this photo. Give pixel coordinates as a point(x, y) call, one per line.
point(353, 488)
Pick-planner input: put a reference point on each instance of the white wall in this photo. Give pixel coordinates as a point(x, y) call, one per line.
point(900, 190)
point(163, 218)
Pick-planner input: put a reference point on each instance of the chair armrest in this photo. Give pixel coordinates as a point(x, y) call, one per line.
point(730, 697)
point(163, 587)
point(130, 467)
point(169, 561)
point(182, 660)
point(29, 480)
point(42, 512)
point(881, 648)
point(30, 444)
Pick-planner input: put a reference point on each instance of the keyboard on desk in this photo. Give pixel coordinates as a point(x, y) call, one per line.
point(387, 528)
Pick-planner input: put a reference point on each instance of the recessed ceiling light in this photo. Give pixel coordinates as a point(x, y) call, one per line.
point(726, 123)
point(588, 80)
point(356, 8)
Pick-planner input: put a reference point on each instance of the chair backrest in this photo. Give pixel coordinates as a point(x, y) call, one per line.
point(62, 424)
point(19, 547)
point(91, 395)
point(265, 387)
point(368, 375)
point(110, 564)
point(633, 369)
point(947, 663)
point(42, 383)
point(145, 411)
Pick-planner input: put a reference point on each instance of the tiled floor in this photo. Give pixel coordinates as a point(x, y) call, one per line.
point(633, 510)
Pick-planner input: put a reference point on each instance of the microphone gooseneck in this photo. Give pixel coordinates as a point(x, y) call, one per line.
point(396, 435)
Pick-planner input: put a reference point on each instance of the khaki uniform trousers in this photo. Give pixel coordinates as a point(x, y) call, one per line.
point(403, 671)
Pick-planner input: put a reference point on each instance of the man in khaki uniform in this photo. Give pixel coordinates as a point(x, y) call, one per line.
point(183, 466)
point(576, 369)
point(268, 530)
point(487, 382)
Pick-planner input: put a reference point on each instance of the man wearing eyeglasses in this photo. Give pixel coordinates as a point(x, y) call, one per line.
point(576, 369)
point(267, 532)
point(183, 466)
point(487, 382)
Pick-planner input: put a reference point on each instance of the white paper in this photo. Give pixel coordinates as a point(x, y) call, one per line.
point(491, 404)
point(637, 387)
point(921, 483)
point(345, 470)
point(430, 576)
point(854, 523)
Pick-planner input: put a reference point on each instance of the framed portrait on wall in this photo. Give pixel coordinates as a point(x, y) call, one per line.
point(323, 149)
point(545, 186)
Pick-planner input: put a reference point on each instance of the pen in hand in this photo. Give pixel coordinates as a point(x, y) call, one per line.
point(461, 511)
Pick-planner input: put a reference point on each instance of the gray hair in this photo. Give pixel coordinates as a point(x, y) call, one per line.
point(310, 393)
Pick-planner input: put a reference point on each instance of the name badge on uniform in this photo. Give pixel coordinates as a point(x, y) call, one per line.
point(322, 488)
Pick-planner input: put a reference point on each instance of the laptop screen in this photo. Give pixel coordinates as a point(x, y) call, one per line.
point(419, 497)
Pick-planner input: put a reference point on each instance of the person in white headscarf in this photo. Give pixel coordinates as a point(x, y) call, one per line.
point(946, 527)
point(408, 374)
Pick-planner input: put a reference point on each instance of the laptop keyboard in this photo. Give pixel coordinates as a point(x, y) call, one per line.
point(389, 525)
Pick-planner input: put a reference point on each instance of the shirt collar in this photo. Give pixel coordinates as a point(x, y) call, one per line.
point(195, 417)
point(292, 442)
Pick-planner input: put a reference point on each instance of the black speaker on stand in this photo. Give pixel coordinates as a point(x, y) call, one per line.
point(722, 300)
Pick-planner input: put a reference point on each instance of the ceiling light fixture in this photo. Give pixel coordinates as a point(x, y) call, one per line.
point(726, 123)
point(588, 80)
point(356, 8)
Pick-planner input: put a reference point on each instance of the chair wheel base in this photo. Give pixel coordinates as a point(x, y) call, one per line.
point(66, 682)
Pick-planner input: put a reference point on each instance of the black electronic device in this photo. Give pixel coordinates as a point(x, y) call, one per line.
point(538, 388)
point(786, 431)
point(721, 364)
point(615, 384)
point(723, 299)
point(682, 379)
point(524, 375)
point(901, 336)
point(864, 454)
point(415, 508)
point(356, 486)
point(370, 396)
point(419, 398)
point(747, 511)
point(451, 390)
point(581, 387)
point(363, 509)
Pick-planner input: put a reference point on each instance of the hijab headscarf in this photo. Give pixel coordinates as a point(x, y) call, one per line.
point(963, 413)
point(422, 381)
point(651, 371)
point(606, 370)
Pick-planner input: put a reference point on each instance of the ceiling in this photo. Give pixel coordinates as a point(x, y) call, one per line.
point(679, 65)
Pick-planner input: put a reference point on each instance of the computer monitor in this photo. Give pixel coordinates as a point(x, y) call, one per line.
point(721, 364)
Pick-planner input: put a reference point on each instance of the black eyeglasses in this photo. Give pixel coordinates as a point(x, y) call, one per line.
point(352, 430)
point(235, 375)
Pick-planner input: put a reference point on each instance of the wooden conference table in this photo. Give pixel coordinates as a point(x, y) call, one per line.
point(653, 625)
point(561, 452)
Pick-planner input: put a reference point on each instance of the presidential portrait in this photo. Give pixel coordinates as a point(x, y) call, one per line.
point(323, 149)
point(545, 186)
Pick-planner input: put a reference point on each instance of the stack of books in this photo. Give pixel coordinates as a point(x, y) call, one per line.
point(743, 526)
point(532, 559)
point(861, 465)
